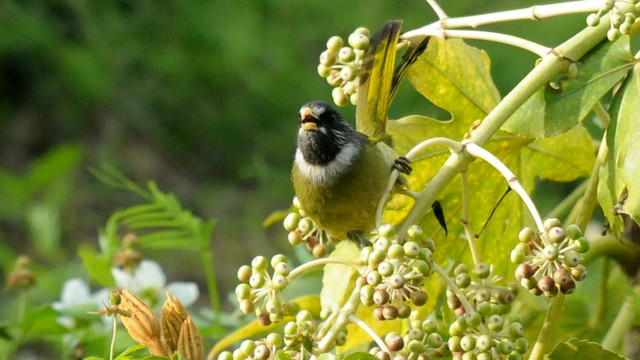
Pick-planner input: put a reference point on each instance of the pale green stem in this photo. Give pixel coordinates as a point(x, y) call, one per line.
point(370, 332)
point(453, 146)
point(544, 337)
point(456, 290)
point(113, 337)
point(476, 151)
point(320, 262)
point(602, 293)
point(208, 264)
point(437, 9)
point(602, 113)
point(506, 39)
point(537, 12)
point(623, 321)
point(589, 200)
point(466, 196)
point(349, 308)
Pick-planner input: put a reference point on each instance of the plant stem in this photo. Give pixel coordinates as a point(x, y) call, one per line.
point(456, 290)
point(212, 287)
point(476, 151)
point(531, 13)
point(465, 218)
point(370, 332)
point(623, 321)
point(437, 9)
point(349, 308)
point(602, 293)
point(525, 44)
point(320, 262)
point(544, 337)
point(113, 337)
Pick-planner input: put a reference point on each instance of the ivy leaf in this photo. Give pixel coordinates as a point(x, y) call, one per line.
point(338, 280)
point(552, 111)
point(576, 349)
point(621, 171)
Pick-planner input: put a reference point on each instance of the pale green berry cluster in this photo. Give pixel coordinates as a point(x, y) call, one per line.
point(620, 23)
point(340, 64)
point(483, 335)
point(261, 292)
point(422, 342)
point(302, 229)
point(397, 268)
point(264, 349)
point(482, 288)
point(552, 261)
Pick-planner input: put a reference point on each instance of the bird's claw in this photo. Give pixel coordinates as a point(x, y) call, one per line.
point(402, 164)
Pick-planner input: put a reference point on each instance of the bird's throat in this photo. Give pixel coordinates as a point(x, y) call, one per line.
point(326, 172)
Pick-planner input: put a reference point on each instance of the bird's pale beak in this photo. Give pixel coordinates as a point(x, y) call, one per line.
point(308, 119)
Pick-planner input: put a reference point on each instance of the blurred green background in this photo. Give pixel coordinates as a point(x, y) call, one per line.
point(200, 96)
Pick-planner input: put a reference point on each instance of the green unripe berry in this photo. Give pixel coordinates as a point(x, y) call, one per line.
point(482, 270)
point(572, 258)
point(294, 238)
point(279, 282)
point(506, 346)
point(515, 330)
point(415, 334)
point(469, 356)
point(273, 305)
point(303, 316)
point(290, 328)
point(261, 352)
point(277, 259)
point(346, 54)
point(328, 58)
point(339, 97)
point(291, 221)
point(396, 281)
point(468, 343)
point(579, 272)
point(411, 248)
point(613, 34)
point(573, 231)
point(454, 343)
point(518, 256)
point(617, 19)
point(463, 280)
point(348, 73)
point(625, 28)
point(434, 340)
point(334, 43)
point(506, 296)
point(485, 355)
point(556, 234)
point(461, 269)
point(484, 308)
point(429, 244)
point(415, 233)
point(456, 328)
point(358, 41)
point(363, 31)
point(256, 280)
point(473, 319)
point(244, 273)
point(246, 306)
point(514, 355)
point(581, 245)
point(305, 225)
point(522, 345)
point(353, 99)
point(484, 342)
point(376, 257)
point(526, 235)
point(225, 355)
point(274, 340)
point(374, 278)
point(243, 291)
point(482, 295)
point(385, 268)
point(247, 347)
point(426, 255)
point(396, 251)
point(550, 252)
point(551, 223)
point(593, 20)
point(238, 354)
point(382, 244)
point(429, 326)
point(282, 269)
point(334, 79)
point(259, 263)
point(494, 323)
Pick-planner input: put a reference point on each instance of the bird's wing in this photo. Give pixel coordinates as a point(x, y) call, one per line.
point(379, 81)
point(376, 78)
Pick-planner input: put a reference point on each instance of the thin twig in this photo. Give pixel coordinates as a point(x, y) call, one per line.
point(437, 9)
point(370, 332)
point(466, 196)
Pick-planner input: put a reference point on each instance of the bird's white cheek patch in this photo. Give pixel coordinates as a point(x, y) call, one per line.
point(327, 173)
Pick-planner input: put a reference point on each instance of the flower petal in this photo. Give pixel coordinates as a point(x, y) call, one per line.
point(186, 292)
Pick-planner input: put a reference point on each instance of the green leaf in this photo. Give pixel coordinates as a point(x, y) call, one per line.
point(576, 349)
point(619, 176)
point(550, 112)
point(98, 267)
point(338, 280)
point(360, 355)
point(42, 321)
point(131, 350)
point(455, 77)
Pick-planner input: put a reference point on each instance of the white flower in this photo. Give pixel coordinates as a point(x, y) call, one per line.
point(76, 297)
point(149, 277)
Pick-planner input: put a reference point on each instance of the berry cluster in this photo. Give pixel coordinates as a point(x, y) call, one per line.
point(482, 289)
point(264, 349)
point(621, 23)
point(302, 228)
point(396, 270)
point(341, 64)
point(261, 293)
point(486, 335)
point(551, 261)
point(422, 341)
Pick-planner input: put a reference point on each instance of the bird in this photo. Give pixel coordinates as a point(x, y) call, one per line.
point(339, 174)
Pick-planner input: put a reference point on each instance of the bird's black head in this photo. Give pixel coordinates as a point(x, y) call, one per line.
point(323, 132)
